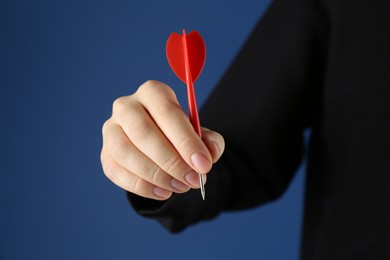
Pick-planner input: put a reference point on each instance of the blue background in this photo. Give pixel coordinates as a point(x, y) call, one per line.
point(62, 64)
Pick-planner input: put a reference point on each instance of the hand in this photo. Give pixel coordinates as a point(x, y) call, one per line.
point(151, 149)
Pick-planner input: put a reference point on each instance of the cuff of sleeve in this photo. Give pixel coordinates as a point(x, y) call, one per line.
point(182, 210)
point(175, 214)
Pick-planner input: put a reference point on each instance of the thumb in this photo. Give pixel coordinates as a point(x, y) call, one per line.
point(214, 143)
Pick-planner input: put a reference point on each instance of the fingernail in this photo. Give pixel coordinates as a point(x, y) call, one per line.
point(200, 162)
point(179, 185)
point(160, 192)
point(193, 178)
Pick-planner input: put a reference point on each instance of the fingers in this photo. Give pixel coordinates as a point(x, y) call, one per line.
point(160, 102)
point(214, 142)
point(129, 157)
point(129, 181)
point(151, 149)
point(144, 134)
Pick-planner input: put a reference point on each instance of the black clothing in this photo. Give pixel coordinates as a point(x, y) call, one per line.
point(308, 63)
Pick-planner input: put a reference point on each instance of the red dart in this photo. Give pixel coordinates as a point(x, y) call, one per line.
point(186, 55)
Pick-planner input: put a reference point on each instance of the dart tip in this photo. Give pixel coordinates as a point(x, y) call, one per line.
point(202, 190)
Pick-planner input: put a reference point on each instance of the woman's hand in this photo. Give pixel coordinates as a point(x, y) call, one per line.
point(151, 149)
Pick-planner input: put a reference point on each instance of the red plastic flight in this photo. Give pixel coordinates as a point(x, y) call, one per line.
point(186, 55)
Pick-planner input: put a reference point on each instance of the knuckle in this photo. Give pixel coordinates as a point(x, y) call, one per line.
point(148, 87)
point(119, 104)
point(154, 175)
point(155, 89)
point(137, 186)
point(187, 143)
point(217, 138)
point(151, 83)
point(172, 163)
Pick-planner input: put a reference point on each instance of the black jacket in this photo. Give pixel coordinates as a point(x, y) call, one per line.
point(308, 63)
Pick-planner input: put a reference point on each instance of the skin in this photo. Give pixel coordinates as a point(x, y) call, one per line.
point(151, 149)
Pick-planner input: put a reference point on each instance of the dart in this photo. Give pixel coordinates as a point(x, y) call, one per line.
point(186, 55)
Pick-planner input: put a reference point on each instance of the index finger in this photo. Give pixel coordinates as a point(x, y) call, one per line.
point(161, 103)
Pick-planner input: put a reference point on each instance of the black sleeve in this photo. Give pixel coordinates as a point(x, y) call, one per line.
point(261, 107)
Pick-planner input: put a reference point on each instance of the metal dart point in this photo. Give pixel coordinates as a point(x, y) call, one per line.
point(202, 190)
